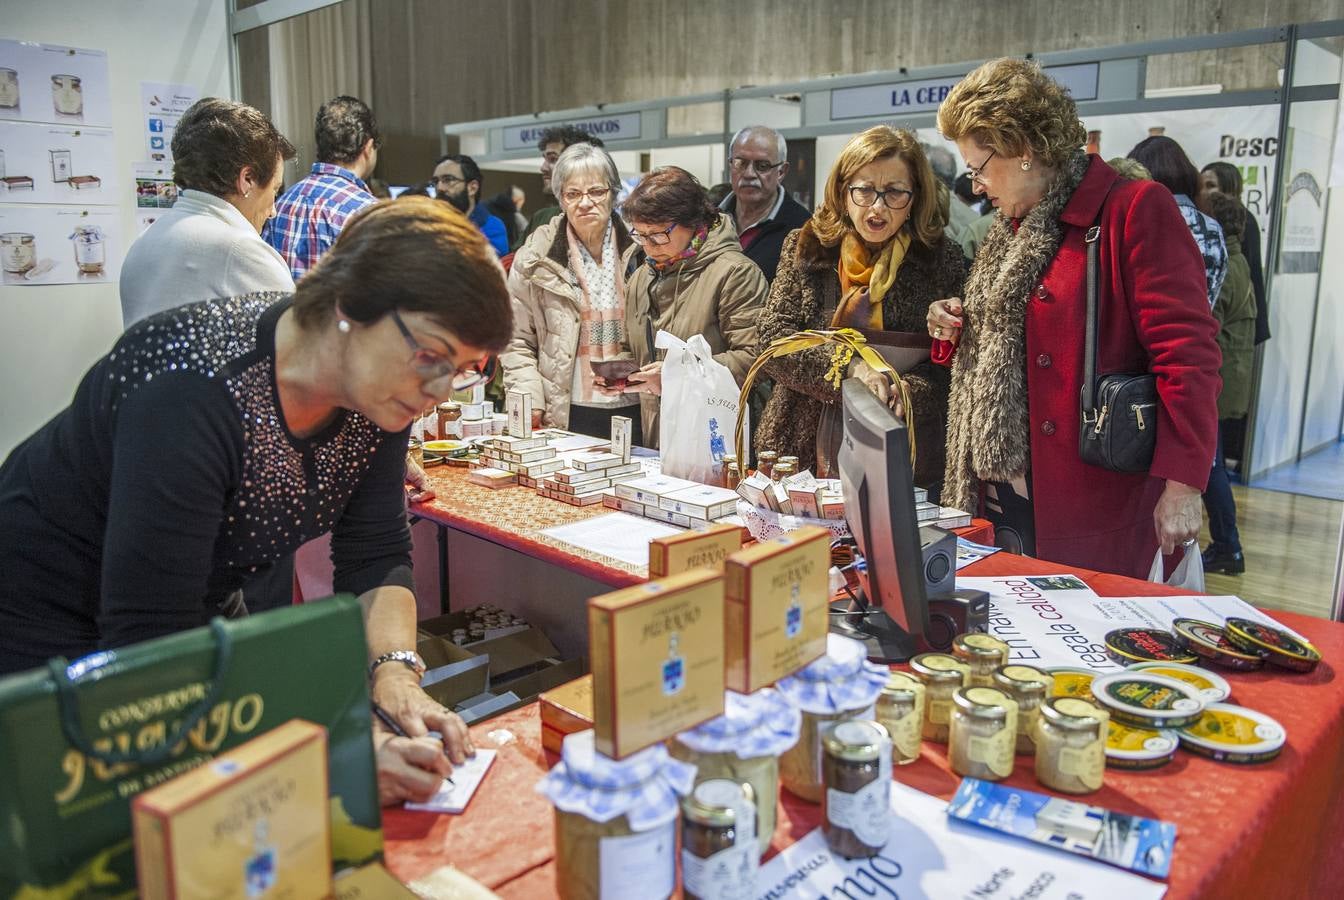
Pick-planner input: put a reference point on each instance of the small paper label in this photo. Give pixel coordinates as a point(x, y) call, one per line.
point(727, 875)
point(1086, 763)
point(867, 811)
point(640, 865)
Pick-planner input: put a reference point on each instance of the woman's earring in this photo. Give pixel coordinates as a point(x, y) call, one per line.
point(247, 194)
point(343, 326)
point(1026, 165)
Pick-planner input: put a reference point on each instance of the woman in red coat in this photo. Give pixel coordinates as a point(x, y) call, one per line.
point(1013, 417)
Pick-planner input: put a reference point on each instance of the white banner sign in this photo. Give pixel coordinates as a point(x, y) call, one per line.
point(929, 856)
point(623, 127)
point(901, 98)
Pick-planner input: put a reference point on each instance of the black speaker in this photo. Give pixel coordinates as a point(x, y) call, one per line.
point(940, 560)
point(951, 614)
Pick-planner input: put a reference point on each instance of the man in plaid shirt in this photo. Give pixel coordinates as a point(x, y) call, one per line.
point(314, 210)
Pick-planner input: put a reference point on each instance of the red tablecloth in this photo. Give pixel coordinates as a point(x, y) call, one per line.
point(1274, 830)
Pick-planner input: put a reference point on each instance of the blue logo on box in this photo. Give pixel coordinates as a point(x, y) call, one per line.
point(793, 615)
point(674, 668)
point(156, 124)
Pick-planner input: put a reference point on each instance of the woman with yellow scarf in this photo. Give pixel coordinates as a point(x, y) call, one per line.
point(873, 257)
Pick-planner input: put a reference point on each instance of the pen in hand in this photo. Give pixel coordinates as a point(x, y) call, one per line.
point(396, 729)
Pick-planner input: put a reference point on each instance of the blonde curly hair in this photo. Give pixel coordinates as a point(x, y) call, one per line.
point(1010, 106)
point(830, 222)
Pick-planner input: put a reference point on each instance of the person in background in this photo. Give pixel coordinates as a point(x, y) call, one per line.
point(1235, 312)
point(695, 280)
point(228, 159)
point(1226, 178)
point(316, 207)
point(379, 189)
point(873, 256)
point(501, 207)
point(457, 180)
point(761, 210)
point(216, 437)
point(1016, 338)
point(1170, 167)
point(960, 216)
point(974, 232)
point(719, 192)
point(568, 289)
point(553, 142)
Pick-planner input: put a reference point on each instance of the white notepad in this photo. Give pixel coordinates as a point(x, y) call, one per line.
point(453, 798)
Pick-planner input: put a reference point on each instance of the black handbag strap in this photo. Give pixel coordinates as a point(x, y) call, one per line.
point(1092, 339)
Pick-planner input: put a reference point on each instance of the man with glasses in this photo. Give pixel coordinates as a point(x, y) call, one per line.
point(759, 206)
point(554, 141)
point(457, 180)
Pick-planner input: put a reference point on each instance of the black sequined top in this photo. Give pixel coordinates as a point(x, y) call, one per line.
point(171, 481)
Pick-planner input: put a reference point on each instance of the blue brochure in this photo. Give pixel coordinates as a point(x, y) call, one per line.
point(1130, 842)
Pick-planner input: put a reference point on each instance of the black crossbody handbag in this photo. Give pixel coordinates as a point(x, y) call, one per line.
point(1119, 412)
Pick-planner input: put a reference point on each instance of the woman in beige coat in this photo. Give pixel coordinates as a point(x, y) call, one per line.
point(568, 290)
point(695, 280)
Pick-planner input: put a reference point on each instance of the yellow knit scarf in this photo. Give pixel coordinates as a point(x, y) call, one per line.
point(864, 281)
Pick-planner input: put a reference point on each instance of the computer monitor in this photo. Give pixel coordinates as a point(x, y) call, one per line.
point(892, 613)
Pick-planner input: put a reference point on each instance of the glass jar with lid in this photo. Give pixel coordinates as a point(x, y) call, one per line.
point(1071, 745)
point(856, 809)
point(719, 859)
point(765, 461)
point(900, 710)
point(1029, 686)
point(615, 820)
point(783, 470)
point(791, 461)
point(744, 745)
point(840, 686)
point(941, 675)
point(983, 733)
point(450, 420)
point(983, 654)
point(18, 252)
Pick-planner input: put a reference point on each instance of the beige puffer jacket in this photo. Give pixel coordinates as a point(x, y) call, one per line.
point(546, 319)
point(718, 293)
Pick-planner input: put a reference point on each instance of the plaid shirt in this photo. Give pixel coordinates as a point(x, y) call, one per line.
point(312, 212)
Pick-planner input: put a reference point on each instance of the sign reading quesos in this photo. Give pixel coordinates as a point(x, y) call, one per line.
point(623, 127)
point(924, 96)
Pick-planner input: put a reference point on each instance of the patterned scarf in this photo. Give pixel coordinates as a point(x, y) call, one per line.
point(988, 432)
point(601, 314)
point(864, 282)
point(692, 248)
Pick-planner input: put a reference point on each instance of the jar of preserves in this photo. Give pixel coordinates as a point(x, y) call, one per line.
point(89, 253)
point(450, 420)
point(790, 461)
point(765, 462)
point(983, 733)
point(783, 470)
point(983, 654)
point(840, 686)
point(856, 810)
point(744, 745)
point(615, 820)
point(900, 710)
point(1029, 686)
point(18, 252)
point(67, 94)
point(732, 476)
point(719, 858)
point(1071, 745)
point(941, 676)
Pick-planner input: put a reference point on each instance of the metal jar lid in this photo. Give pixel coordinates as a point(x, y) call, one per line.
point(979, 646)
point(1280, 648)
point(716, 802)
point(1149, 701)
point(1235, 734)
point(901, 686)
point(856, 740)
point(1074, 714)
point(1212, 686)
point(985, 702)
point(1028, 681)
point(940, 668)
point(1211, 643)
point(1130, 645)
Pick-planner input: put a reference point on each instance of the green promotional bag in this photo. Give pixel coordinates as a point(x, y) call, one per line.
point(78, 742)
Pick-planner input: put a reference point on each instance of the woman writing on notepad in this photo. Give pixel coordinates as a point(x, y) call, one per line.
point(874, 257)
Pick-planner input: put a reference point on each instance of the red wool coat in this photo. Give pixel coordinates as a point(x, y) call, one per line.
point(1154, 316)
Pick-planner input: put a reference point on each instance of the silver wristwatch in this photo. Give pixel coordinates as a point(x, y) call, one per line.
point(408, 658)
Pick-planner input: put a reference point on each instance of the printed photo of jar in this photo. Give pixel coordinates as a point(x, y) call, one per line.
point(983, 733)
point(67, 95)
point(90, 256)
point(18, 252)
point(9, 88)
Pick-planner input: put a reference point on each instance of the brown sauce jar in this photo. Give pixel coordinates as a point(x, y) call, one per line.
point(856, 771)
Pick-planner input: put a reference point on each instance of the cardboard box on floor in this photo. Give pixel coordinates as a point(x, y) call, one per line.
point(525, 663)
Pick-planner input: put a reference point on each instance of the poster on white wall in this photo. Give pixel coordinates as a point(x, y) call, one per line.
point(161, 106)
point(60, 245)
point(56, 164)
point(51, 83)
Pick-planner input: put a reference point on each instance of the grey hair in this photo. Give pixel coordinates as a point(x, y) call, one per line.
point(781, 146)
point(584, 158)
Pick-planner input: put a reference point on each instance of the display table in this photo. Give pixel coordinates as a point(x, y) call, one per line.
point(1270, 830)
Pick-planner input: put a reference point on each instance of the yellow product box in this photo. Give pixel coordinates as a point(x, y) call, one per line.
point(679, 553)
point(565, 710)
point(657, 657)
point(252, 822)
point(371, 882)
point(776, 596)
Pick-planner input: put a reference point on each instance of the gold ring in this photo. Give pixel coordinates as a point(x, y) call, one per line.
point(938, 332)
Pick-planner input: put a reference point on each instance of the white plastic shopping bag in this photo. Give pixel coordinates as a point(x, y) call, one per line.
point(1189, 572)
point(698, 411)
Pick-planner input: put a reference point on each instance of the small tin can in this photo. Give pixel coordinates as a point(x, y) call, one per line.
point(1148, 701)
point(1072, 681)
point(1137, 749)
point(1234, 734)
point(1280, 648)
point(983, 654)
point(1211, 643)
point(1212, 687)
point(1030, 687)
point(983, 734)
point(1070, 745)
point(900, 710)
point(1130, 645)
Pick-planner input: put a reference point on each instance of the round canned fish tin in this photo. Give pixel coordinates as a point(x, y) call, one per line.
point(1211, 643)
point(1072, 681)
point(1287, 651)
point(1234, 734)
point(1131, 645)
point(1148, 701)
point(1139, 748)
point(1212, 686)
